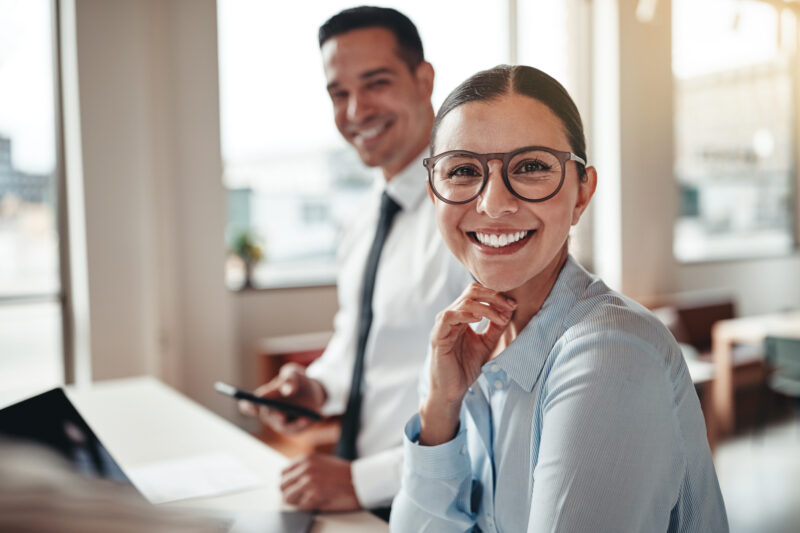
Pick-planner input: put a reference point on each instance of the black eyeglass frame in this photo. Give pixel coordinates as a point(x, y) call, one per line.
point(505, 157)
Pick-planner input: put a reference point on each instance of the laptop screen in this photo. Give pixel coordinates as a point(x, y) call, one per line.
point(51, 420)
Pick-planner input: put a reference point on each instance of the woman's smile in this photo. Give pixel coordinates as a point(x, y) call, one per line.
point(500, 241)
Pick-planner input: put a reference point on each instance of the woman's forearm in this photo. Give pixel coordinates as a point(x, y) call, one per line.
point(438, 421)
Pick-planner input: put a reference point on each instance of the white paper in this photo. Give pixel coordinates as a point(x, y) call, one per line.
point(192, 477)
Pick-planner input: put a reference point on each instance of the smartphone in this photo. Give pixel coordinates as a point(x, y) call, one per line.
point(286, 407)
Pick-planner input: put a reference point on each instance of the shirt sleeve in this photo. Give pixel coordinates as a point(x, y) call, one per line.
point(607, 401)
point(376, 478)
point(334, 368)
point(437, 486)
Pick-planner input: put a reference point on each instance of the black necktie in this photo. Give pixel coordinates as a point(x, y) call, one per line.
point(346, 448)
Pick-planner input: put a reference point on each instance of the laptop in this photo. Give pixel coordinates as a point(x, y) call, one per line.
point(51, 420)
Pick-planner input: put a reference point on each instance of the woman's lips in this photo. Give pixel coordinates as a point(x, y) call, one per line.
point(500, 243)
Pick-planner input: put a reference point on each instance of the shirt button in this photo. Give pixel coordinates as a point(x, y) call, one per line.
point(493, 367)
point(463, 449)
point(498, 384)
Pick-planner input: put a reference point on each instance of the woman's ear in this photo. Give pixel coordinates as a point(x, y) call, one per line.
point(586, 189)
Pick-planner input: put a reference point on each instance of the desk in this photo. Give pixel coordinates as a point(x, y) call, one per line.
point(726, 333)
point(141, 420)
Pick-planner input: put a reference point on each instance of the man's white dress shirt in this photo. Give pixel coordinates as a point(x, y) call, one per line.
point(417, 277)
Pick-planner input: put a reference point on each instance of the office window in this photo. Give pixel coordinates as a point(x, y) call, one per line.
point(292, 181)
point(31, 353)
point(735, 68)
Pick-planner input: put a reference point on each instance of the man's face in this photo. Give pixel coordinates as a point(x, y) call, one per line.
point(379, 105)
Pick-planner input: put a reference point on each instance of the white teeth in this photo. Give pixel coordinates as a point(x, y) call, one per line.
point(498, 241)
point(370, 133)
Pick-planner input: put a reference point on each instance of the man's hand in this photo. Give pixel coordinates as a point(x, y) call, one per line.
point(290, 385)
point(321, 482)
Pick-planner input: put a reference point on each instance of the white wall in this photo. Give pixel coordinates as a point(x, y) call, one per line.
point(261, 314)
point(120, 179)
point(757, 286)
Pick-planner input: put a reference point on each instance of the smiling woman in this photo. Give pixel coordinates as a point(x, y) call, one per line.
point(573, 409)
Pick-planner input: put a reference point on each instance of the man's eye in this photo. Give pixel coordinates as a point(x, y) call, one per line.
point(375, 84)
point(338, 96)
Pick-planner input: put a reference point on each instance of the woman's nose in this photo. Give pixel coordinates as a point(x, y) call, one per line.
point(496, 200)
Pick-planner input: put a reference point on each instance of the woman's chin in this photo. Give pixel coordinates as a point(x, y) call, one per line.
point(496, 282)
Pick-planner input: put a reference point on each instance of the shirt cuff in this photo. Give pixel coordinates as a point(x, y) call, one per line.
point(376, 478)
point(335, 398)
point(443, 461)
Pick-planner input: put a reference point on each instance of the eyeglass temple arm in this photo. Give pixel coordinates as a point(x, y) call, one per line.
point(573, 157)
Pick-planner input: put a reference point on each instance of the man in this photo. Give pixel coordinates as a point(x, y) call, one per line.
point(380, 86)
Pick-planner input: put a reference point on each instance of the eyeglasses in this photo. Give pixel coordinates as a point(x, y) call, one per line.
point(533, 173)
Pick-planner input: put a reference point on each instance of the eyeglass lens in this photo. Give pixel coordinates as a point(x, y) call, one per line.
point(533, 174)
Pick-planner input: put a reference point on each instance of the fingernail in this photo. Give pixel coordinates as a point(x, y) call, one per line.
point(286, 389)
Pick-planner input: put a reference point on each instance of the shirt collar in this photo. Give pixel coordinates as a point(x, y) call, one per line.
point(408, 187)
point(524, 358)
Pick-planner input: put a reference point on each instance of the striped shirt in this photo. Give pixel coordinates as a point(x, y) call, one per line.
point(587, 421)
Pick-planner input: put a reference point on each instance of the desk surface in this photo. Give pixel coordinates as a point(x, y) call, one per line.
point(141, 420)
point(753, 329)
point(726, 333)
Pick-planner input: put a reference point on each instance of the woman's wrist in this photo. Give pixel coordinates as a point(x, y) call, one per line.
point(438, 421)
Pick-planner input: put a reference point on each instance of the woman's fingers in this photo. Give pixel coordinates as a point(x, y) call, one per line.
point(492, 335)
point(475, 303)
point(452, 321)
point(480, 293)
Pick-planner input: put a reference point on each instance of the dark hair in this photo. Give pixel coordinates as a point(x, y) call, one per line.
point(491, 84)
point(408, 41)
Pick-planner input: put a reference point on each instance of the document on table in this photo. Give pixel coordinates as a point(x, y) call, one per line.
point(192, 477)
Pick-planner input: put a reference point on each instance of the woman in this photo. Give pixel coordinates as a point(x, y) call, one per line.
point(573, 410)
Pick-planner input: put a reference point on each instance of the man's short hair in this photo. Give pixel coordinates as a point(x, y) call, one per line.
point(354, 18)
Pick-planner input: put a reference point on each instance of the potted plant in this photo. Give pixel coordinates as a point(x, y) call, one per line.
point(248, 248)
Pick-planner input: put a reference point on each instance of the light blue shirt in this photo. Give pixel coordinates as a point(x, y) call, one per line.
point(587, 421)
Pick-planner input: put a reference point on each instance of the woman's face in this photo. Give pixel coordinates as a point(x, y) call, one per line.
point(503, 125)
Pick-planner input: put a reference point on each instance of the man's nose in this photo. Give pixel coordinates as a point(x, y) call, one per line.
point(358, 108)
point(496, 200)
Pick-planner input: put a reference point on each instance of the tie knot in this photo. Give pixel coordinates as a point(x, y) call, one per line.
point(388, 205)
point(389, 208)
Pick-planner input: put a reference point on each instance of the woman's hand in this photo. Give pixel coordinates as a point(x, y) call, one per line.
point(457, 355)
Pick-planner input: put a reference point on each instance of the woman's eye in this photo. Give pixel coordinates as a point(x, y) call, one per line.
point(463, 172)
point(533, 166)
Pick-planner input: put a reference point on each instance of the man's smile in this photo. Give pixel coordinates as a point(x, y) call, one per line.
point(364, 135)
